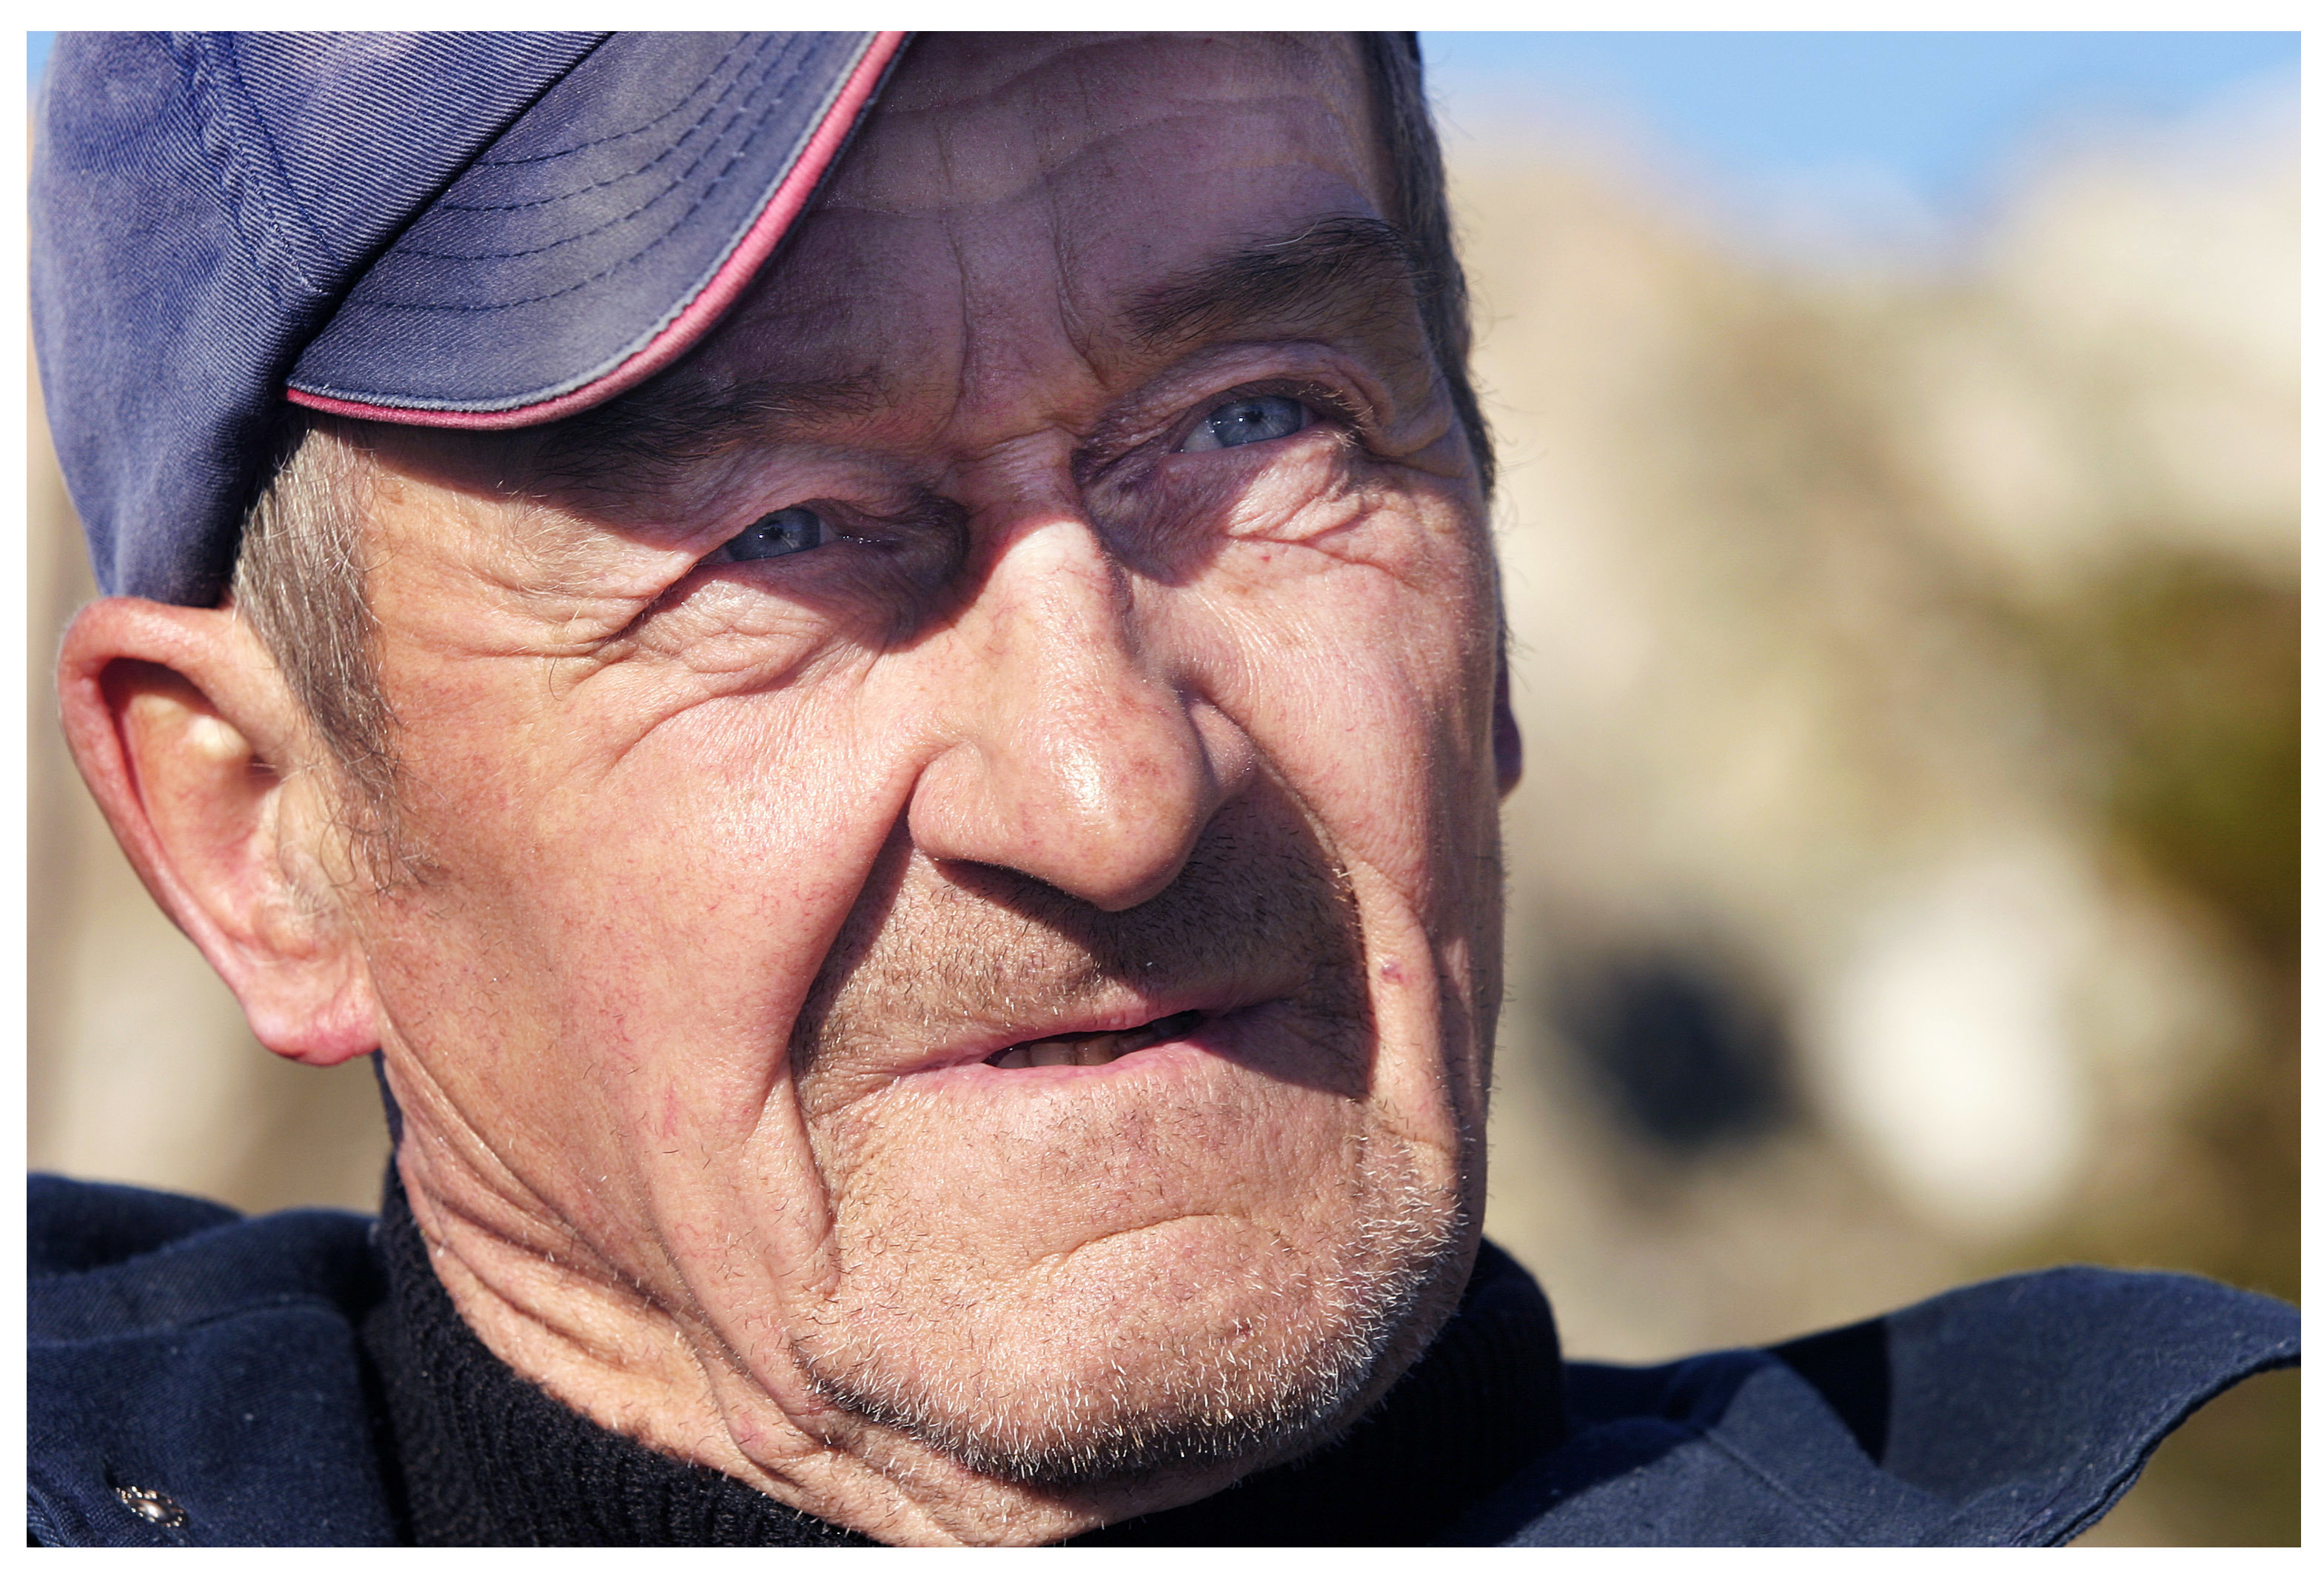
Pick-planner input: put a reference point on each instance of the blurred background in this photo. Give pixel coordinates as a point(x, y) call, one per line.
point(1900, 437)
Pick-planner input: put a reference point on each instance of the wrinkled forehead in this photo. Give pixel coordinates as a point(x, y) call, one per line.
point(1009, 180)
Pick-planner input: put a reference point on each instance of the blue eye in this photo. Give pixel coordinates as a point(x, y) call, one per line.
point(1251, 419)
point(785, 531)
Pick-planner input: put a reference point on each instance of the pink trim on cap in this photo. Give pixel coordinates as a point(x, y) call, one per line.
point(709, 304)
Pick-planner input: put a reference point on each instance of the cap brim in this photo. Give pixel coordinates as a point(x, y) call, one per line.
point(599, 236)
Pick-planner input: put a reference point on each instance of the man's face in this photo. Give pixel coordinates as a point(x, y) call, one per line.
point(960, 871)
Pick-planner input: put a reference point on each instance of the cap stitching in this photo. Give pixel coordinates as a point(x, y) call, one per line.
point(888, 45)
point(702, 120)
point(488, 162)
point(701, 198)
point(258, 212)
point(593, 186)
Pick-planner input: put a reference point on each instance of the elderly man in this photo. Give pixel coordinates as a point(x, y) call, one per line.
point(873, 672)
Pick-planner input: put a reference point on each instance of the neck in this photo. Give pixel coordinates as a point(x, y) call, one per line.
point(550, 1308)
point(552, 1311)
point(485, 1458)
point(489, 1459)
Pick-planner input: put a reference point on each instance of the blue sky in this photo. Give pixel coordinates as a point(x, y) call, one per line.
point(1941, 114)
point(1937, 116)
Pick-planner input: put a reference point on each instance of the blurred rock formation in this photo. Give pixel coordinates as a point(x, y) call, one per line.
point(1905, 882)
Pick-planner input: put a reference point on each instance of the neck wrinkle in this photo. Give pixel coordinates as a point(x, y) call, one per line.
point(488, 1459)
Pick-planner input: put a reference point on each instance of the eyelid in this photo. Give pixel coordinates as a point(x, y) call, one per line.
point(900, 533)
point(1330, 402)
point(835, 522)
point(1327, 404)
point(1323, 400)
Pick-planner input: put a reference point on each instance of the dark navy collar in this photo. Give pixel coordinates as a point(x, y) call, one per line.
point(2008, 1414)
point(180, 1351)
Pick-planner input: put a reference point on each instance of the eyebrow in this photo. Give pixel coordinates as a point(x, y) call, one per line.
point(660, 431)
point(1329, 274)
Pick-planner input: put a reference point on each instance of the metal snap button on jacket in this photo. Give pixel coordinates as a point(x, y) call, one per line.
point(153, 1507)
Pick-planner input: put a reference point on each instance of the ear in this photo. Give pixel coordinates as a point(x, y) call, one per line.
point(1508, 746)
point(196, 751)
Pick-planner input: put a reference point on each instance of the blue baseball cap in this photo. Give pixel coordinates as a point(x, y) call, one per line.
point(452, 230)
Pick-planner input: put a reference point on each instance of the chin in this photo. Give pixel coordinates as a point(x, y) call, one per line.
point(1206, 1343)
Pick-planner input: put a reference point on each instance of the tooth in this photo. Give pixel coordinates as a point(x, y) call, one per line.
point(1007, 1059)
point(1100, 1050)
point(1055, 1051)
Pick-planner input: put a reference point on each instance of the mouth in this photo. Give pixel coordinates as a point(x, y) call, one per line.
point(1094, 1047)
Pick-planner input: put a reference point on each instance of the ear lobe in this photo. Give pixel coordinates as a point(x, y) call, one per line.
point(184, 730)
point(1508, 745)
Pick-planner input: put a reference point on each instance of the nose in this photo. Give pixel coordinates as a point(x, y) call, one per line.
point(1072, 755)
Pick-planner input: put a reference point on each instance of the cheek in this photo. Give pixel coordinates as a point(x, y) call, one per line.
point(1359, 655)
point(640, 913)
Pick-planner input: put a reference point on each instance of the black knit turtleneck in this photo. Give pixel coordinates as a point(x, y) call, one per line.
point(488, 1459)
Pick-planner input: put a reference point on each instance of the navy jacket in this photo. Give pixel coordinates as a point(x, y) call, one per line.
point(195, 1379)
